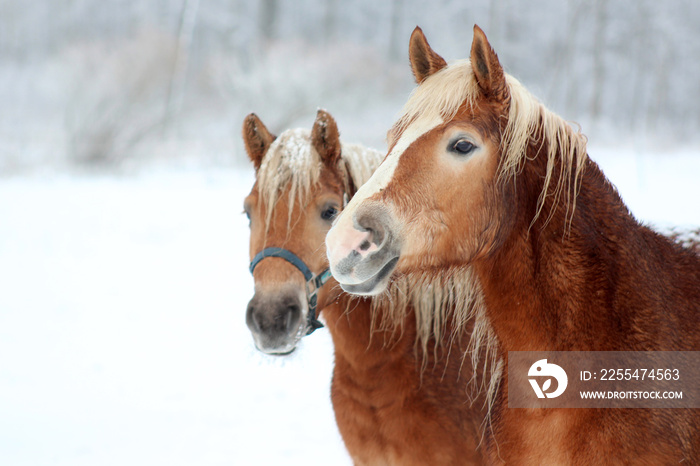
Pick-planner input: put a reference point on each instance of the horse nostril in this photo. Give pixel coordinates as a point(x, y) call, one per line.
point(370, 221)
point(274, 316)
point(291, 313)
point(253, 318)
point(287, 318)
point(256, 320)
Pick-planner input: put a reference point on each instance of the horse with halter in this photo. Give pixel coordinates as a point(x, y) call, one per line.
point(481, 176)
point(399, 395)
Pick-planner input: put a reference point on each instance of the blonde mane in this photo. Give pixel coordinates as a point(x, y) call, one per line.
point(442, 94)
point(292, 163)
point(444, 303)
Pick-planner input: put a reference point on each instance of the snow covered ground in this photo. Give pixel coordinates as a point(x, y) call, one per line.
point(122, 330)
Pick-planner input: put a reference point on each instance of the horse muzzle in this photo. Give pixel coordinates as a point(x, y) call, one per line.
point(277, 320)
point(363, 250)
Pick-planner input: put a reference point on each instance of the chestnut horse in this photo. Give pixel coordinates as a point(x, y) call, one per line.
point(398, 397)
point(480, 174)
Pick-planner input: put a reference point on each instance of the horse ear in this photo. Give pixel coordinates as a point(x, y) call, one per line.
point(256, 138)
point(487, 69)
point(325, 138)
point(424, 61)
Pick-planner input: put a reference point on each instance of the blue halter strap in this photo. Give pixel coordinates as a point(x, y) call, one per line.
point(313, 282)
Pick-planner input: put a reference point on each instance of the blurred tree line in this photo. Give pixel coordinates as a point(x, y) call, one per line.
point(115, 74)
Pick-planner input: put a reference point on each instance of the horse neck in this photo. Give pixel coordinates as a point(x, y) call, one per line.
point(572, 282)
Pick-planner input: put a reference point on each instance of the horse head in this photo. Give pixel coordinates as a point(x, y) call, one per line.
point(446, 194)
point(406, 213)
point(302, 180)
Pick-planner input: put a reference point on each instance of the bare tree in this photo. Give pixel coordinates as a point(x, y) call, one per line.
point(570, 54)
point(599, 41)
point(267, 20)
point(396, 41)
point(330, 21)
point(176, 85)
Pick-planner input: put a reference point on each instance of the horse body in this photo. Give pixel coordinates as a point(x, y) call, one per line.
point(598, 274)
point(592, 285)
point(480, 174)
point(388, 410)
point(394, 402)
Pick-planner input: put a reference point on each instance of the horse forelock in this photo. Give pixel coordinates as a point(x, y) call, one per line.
point(442, 95)
point(292, 163)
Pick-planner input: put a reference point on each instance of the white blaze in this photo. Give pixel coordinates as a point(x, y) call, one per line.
point(340, 241)
point(383, 175)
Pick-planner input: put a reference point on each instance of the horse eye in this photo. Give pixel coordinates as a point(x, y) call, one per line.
point(329, 213)
point(463, 147)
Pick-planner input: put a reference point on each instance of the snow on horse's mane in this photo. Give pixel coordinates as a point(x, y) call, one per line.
point(291, 161)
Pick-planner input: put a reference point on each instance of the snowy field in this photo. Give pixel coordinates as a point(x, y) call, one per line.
point(122, 329)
